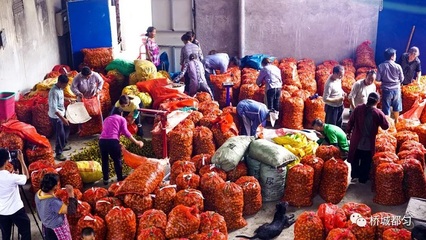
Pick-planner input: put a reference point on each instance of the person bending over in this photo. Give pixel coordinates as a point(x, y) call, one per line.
point(332, 135)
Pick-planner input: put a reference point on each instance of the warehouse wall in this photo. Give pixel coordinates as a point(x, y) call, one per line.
point(32, 45)
point(320, 30)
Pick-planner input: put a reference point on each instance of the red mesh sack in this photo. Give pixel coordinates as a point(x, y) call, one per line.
point(212, 168)
point(414, 178)
point(406, 124)
point(252, 194)
point(83, 209)
point(239, 171)
point(121, 223)
point(62, 194)
point(259, 95)
point(383, 221)
point(201, 160)
point(195, 117)
point(203, 141)
point(411, 144)
point(40, 164)
point(317, 164)
point(366, 232)
point(327, 152)
point(303, 94)
point(69, 174)
point(113, 187)
point(11, 141)
point(94, 222)
point(347, 82)
point(179, 167)
point(190, 198)
point(379, 158)
point(414, 153)
point(321, 77)
point(152, 218)
point(138, 203)
point(182, 221)
point(207, 107)
point(298, 190)
point(233, 111)
point(157, 140)
point(218, 89)
point(364, 55)
point(104, 205)
point(91, 127)
point(410, 94)
point(210, 221)
point(93, 194)
point(352, 207)
point(290, 89)
point(306, 64)
point(289, 74)
point(384, 145)
point(341, 233)
point(396, 234)
point(308, 226)
point(203, 96)
point(187, 180)
point(421, 132)
point(40, 119)
point(36, 153)
point(179, 142)
point(23, 109)
point(308, 82)
point(333, 182)
point(405, 135)
point(292, 113)
point(247, 91)
point(331, 216)
point(165, 198)
point(212, 235)
point(208, 184)
point(314, 108)
point(97, 58)
point(143, 180)
point(229, 202)
point(389, 184)
point(37, 176)
point(151, 233)
point(224, 129)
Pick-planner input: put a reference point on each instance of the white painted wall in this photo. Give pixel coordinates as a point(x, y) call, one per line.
point(32, 45)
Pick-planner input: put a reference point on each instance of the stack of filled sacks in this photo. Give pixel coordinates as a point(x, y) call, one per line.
point(348, 79)
point(232, 75)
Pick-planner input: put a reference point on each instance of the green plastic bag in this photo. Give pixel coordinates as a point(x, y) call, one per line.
point(123, 66)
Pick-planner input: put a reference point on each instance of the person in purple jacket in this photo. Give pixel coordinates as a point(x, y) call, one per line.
point(109, 143)
point(362, 128)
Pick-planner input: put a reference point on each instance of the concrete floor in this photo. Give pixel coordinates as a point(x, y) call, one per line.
point(356, 193)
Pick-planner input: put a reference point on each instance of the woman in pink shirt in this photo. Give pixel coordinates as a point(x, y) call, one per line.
point(109, 143)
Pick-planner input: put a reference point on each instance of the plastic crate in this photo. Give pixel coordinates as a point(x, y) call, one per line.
point(7, 105)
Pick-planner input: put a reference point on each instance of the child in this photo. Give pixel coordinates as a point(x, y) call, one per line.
point(88, 234)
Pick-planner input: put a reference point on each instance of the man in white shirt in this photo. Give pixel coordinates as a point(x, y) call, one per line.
point(12, 209)
point(361, 89)
point(333, 97)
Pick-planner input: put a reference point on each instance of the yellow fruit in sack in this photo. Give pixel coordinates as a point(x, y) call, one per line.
point(130, 90)
point(90, 171)
point(133, 78)
point(145, 99)
point(165, 74)
point(46, 84)
point(155, 75)
point(144, 68)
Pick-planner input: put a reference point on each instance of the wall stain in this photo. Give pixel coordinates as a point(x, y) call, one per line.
point(19, 20)
point(42, 14)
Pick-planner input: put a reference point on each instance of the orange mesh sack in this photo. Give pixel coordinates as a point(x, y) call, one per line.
point(93, 194)
point(240, 171)
point(203, 141)
point(298, 190)
point(113, 187)
point(321, 77)
point(366, 232)
point(292, 113)
point(308, 81)
point(224, 128)
point(62, 194)
point(389, 181)
point(411, 144)
point(364, 55)
point(121, 223)
point(151, 233)
point(180, 144)
point(414, 178)
point(40, 119)
point(37, 152)
point(352, 207)
point(190, 198)
point(157, 140)
point(105, 204)
point(247, 91)
point(182, 221)
point(229, 202)
point(317, 164)
point(210, 221)
point(220, 91)
point(203, 96)
point(94, 222)
point(144, 180)
point(40, 164)
point(396, 234)
point(414, 153)
point(208, 184)
point(382, 223)
point(69, 174)
point(334, 181)
point(187, 180)
point(252, 194)
point(195, 116)
point(308, 226)
point(383, 144)
point(37, 176)
point(331, 216)
point(341, 233)
point(201, 160)
point(138, 203)
point(421, 132)
point(327, 152)
point(402, 136)
point(212, 168)
point(179, 167)
point(379, 158)
point(97, 58)
point(165, 198)
point(233, 111)
point(314, 108)
point(152, 218)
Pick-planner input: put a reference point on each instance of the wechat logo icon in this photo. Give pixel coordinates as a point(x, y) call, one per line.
point(357, 219)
